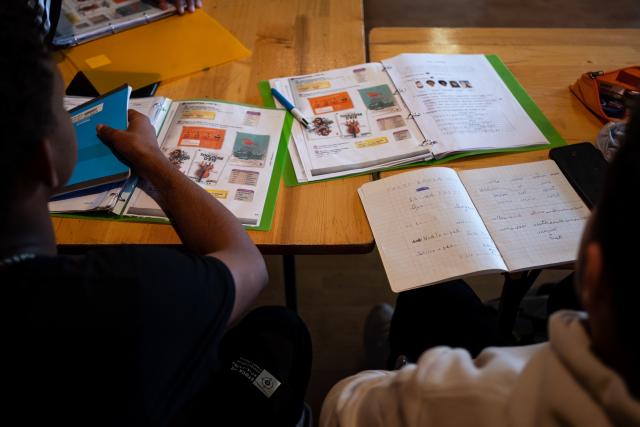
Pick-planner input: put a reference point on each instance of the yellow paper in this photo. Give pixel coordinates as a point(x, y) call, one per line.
point(169, 48)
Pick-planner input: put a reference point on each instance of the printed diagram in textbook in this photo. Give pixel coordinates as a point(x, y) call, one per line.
point(202, 137)
point(250, 150)
point(358, 121)
point(378, 98)
point(227, 149)
point(406, 109)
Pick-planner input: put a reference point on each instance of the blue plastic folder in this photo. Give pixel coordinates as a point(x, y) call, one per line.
point(97, 165)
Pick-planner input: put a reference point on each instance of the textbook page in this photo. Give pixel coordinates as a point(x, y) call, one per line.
point(427, 229)
point(533, 214)
point(359, 122)
point(460, 103)
point(227, 149)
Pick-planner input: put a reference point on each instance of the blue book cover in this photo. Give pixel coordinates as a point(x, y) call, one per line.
point(97, 165)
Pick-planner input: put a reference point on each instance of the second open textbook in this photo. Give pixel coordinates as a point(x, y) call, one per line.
point(408, 108)
point(435, 224)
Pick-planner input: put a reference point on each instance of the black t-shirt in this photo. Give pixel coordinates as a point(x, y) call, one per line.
point(121, 336)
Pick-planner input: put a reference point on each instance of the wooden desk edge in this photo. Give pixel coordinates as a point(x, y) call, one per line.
point(265, 249)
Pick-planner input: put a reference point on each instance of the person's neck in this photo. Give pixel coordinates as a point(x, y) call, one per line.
point(608, 348)
point(26, 228)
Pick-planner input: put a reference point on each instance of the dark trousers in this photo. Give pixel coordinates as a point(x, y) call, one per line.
point(451, 314)
point(266, 364)
point(448, 314)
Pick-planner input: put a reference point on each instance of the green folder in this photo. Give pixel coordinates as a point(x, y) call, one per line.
point(536, 115)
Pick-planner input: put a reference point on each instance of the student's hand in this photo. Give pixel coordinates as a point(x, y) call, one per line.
point(137, 145)
point(191, 5)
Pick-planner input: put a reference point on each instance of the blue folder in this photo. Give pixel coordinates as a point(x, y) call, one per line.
point(97, 165)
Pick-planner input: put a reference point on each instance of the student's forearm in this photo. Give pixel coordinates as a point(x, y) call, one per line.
point(208, 228)
point(204, 225)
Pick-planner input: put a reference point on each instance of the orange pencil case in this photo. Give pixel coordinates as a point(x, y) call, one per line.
point(609, 94)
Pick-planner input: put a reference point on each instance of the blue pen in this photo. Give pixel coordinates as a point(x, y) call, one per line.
point(291, 108)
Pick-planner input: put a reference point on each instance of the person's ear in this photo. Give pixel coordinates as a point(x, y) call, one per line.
point(592, 287)
point(44, 165)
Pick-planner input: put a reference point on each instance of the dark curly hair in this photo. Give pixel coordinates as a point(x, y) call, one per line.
point(26, 88)
point(616, 228)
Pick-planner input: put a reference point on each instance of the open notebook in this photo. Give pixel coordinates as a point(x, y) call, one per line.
point(436, 224)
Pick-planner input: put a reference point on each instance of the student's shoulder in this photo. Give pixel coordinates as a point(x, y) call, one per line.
point(158, 273)
point(152, 260)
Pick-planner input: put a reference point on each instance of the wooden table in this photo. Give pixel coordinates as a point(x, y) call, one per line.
point(545, 61)
point(286, 37)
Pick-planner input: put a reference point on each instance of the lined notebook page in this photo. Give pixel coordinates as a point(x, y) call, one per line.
point(533, 214)
point(427, 229)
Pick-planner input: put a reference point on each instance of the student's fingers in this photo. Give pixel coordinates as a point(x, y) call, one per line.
point(137, 120)
point(139, 126)
point(109, 135)
point(179, 6)
point(140, 129)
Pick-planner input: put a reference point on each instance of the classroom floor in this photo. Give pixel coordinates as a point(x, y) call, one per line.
point(336, 291)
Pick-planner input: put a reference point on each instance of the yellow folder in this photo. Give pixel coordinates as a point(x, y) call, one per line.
point(162, 50)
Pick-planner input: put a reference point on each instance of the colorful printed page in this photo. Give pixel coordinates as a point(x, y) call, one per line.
point(359, 123)
point(228, 149)
point(460, 103)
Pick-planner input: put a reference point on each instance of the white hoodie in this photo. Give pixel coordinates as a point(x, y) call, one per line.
point(559, 383)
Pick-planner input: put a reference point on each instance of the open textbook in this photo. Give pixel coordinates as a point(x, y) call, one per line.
point(435, 224)
point(408, 108)
point(230, 150)
point(84, 20)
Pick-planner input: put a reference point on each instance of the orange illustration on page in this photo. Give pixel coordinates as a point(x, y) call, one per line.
point(331, 103)
point(201, 137)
